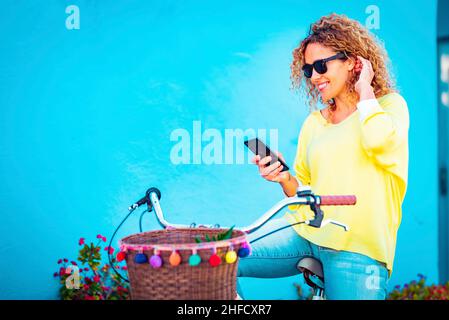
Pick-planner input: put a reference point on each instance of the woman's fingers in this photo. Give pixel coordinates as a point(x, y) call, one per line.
point(366, 72)
point(366, 64)
point(255, 159)
point(264, 161)
point(362, 61)
point(280, 156)
point(269, 169)
point(274, 175)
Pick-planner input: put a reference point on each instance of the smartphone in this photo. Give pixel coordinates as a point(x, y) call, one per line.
point(261, 149)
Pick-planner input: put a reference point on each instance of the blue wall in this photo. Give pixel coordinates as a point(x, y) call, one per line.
point(86, 117)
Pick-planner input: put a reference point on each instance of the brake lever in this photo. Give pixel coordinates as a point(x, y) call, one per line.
point(306, 191)
point(317, 222)
point(339, 224)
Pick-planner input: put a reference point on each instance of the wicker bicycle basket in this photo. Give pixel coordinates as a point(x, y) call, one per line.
point(182, 281)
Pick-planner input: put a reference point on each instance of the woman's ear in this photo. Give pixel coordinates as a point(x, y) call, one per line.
point(351, 63)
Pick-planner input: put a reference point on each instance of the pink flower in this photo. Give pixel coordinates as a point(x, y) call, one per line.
point(81, 241)
point(124, 268)
point(109, 249)
point(59, 261)
point(65, 260)
point(99, 236)
point(104, 239)
point(55, 274)
point(61, 271)
point(86, 269)
point(73, 263)
point(97, 278)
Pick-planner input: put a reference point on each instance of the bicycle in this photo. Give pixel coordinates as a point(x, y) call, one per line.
point(310, 267)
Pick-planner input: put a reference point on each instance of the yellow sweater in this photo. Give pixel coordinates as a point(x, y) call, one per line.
point(366, 155)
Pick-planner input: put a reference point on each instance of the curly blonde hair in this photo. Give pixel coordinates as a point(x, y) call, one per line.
point(342, 34)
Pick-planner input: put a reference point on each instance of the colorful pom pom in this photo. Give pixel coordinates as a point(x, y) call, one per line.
point(155, 261)
point(231, 256)
point(214, 260)
point(244, 251)
point(175, 258)
point(194, 260)
point(141, 258)
point(120, 256)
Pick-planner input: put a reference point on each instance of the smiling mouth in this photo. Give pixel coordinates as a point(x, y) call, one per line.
point(323, 85)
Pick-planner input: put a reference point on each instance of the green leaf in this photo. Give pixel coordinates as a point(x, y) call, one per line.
point(227, 234)
point(218, 237)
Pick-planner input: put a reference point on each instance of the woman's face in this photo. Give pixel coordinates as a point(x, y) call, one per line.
point(332, 83)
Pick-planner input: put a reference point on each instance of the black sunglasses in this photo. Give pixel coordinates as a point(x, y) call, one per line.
point(320, 65)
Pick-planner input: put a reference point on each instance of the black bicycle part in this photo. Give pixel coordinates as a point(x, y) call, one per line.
point(319, 215)
point(149, 191)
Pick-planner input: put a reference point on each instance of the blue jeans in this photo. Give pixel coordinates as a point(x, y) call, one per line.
point(347, 275)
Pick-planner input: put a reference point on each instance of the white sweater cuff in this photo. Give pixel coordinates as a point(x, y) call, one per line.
point(368, 107)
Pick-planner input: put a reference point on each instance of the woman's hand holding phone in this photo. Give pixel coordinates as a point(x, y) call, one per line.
point(271, 172)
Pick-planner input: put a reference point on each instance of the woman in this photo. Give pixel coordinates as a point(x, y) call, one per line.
point(357, 144)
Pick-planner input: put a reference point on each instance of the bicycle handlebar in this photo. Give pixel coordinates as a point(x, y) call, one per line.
point(337, 200)
point(304, 197)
